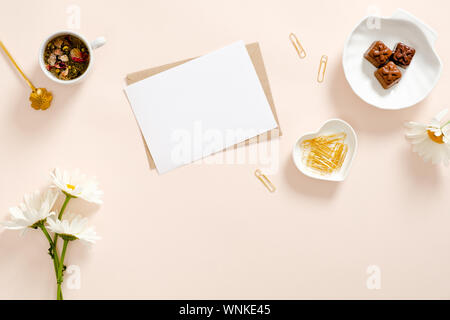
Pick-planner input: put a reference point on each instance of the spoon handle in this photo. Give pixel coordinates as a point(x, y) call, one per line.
point(18, 68)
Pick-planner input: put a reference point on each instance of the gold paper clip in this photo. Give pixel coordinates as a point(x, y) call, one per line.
point(322, 68)
point(298, 47)
point(266, 182)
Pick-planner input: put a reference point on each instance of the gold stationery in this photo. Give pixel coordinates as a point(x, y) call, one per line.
point(322, 68)
point(297, 45)
point(265, 181)
point(325, 154)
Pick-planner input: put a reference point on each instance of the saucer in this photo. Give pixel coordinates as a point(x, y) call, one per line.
point(417, 80)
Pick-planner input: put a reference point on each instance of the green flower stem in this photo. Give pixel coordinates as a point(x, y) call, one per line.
point(60, 263)
point(60, 270)
point(63, 208)
point(55, 257)
point(61, 212)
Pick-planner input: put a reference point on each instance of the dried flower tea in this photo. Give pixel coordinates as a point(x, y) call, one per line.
point(66, 57)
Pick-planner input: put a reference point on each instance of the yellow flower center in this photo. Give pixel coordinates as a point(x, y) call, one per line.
point(71, 186)
point(437, 139)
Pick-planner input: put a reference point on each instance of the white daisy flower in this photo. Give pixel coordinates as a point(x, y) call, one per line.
point(77, 185)
point(35, 209)
point(73, 227)
point(431, 141)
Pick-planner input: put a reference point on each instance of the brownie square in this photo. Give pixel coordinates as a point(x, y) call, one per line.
point(403, 55)
point(388, 75)
point(378, 54)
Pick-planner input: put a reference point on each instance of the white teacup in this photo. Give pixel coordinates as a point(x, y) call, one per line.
point(91, 46)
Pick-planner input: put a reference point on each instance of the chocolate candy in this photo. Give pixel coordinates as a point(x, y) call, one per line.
point(403, 55)
point(378, 54)
point(388, 75)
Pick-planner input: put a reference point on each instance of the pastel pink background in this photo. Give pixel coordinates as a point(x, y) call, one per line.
point(213, 231)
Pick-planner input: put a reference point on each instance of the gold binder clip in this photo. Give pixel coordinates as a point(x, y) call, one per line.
point(298, 47)
point(266, 182)
point(322, 68)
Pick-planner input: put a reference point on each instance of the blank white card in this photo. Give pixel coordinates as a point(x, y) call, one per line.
point(201, 107)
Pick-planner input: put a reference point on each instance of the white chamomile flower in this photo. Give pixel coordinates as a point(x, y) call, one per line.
point(431, 141)
point(73, 227)
point(77, 185)
point(35, 209)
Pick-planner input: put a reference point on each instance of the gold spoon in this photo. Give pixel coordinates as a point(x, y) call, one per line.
point(40, 98)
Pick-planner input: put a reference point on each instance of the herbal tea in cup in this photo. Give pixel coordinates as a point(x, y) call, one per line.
point(66, 57)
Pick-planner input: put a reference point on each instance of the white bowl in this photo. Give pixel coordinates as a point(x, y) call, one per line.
point(332, 126)
point(417, 80)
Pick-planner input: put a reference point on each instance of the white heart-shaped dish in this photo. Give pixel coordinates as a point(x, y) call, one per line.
point(417, 81)
point(332, 126)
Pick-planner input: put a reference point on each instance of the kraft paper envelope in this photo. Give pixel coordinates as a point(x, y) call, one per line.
point(256, 57)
